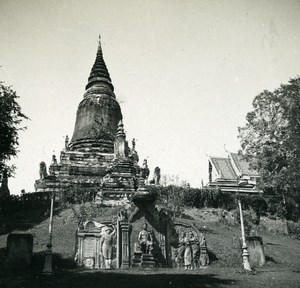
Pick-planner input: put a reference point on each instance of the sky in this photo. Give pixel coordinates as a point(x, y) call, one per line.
point(185, 72)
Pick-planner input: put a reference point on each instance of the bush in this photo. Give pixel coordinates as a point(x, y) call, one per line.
point(14, 203)
point(293, 229)
point(175, 198)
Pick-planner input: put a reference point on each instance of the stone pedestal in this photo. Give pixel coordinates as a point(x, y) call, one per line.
point(19, 251)
point(48, 260)
point(148, 261)
point(141, 260)
point(256, 251)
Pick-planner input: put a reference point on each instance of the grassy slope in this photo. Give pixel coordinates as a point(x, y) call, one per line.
point(222, 240)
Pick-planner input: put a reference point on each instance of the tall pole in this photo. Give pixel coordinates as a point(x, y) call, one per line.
point(48, 258)
point(245, 253)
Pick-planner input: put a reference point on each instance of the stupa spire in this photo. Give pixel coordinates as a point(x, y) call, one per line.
point(98, 114)
point(99, 75)
point(120, 130)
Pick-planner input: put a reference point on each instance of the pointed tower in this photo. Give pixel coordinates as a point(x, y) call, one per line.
point(96, 161)
point(98, 114)
point(121, 145)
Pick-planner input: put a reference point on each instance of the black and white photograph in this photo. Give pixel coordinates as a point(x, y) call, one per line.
point(149, 143)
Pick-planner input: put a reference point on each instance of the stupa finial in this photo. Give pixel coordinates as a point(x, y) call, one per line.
point(120, 130)
point(99, 74)
point(99, 51)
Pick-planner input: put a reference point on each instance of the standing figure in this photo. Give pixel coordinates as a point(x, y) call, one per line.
point(204, 259)
point(150, 242)
point(145, 240)
point(180, 250)
point(106, 246)
point(187, 253)
point(195, 249)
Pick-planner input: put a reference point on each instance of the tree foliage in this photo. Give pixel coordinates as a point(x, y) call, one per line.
point(10, 120)
point(272, 138)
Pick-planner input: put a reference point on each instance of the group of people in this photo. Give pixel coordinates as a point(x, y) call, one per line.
point(188, 251)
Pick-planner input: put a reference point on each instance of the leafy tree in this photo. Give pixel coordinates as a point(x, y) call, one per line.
point(10, 120)
point(272, 138)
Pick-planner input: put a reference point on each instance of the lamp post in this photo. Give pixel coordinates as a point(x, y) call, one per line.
point(245, 254)
point(48, 259)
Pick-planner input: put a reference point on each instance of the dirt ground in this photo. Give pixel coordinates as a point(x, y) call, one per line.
point(210, 277)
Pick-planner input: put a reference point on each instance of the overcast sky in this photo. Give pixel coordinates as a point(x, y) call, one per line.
point(185, 72)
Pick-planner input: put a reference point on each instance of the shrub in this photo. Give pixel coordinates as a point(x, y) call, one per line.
point(294, 229)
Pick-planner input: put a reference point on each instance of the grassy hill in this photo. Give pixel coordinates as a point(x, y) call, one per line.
point(282, 252)
point(222, 238)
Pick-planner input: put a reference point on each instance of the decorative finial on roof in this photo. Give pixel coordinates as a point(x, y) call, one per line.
point(226, 151)
point(99, 73)
point(99, 50)
point(120, 130)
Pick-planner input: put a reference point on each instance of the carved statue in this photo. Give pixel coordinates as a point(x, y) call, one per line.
point(204, 259)
point(54, 160)
point(146, 240)
point(133, 155)
point(180, 250)
point(80, 224)
point(187, 253)
point(106, 246)
point(156, 177)
point(122, 215)
point(66, 142)
point(150, 242)
point(188, 250)
point(195, 249)
point(145, 170)
point(43, 170)
point(135, 183)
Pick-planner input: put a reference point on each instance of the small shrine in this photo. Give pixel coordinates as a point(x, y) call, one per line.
point(141, 236)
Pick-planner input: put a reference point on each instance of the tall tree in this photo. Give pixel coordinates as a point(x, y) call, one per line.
point(10, 120)
point(272, 138)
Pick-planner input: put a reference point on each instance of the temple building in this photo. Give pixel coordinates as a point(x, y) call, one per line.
point(97, 161)
point(232, 174)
